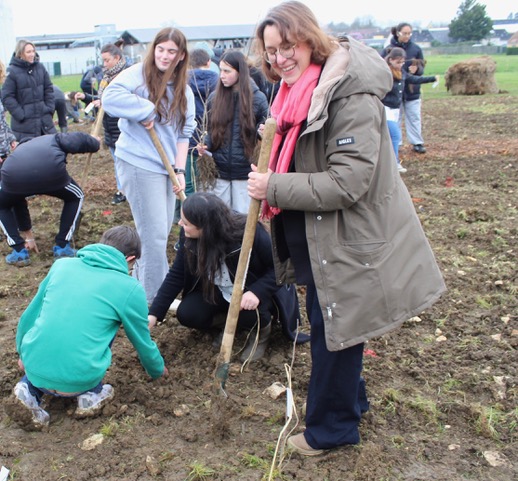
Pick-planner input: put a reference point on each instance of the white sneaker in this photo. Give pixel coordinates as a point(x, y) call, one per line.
point(90, 403)
point(40, 417)
point(401, 169)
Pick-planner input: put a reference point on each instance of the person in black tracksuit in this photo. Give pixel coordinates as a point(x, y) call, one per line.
point(28, 94)
point(38, 166)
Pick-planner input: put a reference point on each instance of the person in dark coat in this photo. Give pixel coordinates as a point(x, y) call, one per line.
point(60, 102)
point(414, 65)
point(114, 62)
point(204, 269)
point(90, 80)
point(393, 100)
point(236, 110)
point(38, 166)
point(8, 140)
point(27, 94)
point(203, 81)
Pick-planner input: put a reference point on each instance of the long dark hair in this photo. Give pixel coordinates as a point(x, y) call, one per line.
point(221, 230)
point(223, 105)
point(156, 81)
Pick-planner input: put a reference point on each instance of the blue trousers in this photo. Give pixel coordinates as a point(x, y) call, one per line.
point(336, 393)
point(39, 392)
point(395, 136)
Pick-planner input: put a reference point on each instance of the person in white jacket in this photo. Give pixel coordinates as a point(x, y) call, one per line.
point(153, 94)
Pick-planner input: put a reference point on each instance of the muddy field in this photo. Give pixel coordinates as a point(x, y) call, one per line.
point(443, 388)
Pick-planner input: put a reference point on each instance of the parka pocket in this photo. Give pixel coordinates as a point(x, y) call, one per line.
point(367, 253)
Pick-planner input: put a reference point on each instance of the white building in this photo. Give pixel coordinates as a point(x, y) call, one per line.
point(7, 38)
point(70, 54)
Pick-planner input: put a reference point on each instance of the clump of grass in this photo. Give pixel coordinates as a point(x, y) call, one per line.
point(199, 472)
point(488, 421)
point(256, 462)
point(277, 418)
point(390, 399)
point(253, 461)
point(109, 429)
point(427, 407)
point(248, 411)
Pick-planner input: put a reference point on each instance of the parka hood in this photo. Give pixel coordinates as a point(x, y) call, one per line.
point(370, 75)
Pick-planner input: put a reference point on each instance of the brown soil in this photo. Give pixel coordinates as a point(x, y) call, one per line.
point(443, 388)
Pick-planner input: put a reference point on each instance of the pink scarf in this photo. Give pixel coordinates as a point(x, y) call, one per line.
point(290, 109)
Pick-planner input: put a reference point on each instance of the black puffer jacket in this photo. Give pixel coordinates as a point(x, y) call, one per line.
point(413, 52)
point(39, 165)
point(202, 82)
point(29, 97)
point(231, 161)
point(394, 98)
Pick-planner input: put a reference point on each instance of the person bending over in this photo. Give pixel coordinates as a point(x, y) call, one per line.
point(64, 336)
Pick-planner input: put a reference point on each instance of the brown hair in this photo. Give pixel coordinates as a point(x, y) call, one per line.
point(113, 50)
point(124, 238)
point(393, 54)
point(199, 58)
point(20, 47)
point(296, 24)
point(156, 81)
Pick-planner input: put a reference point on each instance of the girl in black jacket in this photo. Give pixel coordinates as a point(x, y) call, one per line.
point(236, 109)
point(205, 266)
point(28, 94)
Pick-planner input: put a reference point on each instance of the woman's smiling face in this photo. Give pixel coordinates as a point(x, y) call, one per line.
point(289, 69)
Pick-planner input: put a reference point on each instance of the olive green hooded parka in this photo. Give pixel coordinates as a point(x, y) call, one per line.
point(371, 262)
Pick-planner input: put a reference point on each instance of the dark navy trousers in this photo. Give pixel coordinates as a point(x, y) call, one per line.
point(336, 393)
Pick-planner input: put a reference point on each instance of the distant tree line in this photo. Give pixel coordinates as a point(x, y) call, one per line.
point(470, 24)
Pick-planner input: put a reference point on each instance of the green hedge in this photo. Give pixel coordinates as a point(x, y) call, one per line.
point(511, 51)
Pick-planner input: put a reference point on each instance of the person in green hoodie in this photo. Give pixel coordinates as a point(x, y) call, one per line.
point(64, 336)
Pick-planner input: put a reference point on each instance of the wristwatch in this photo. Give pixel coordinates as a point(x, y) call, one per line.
point(179, 171)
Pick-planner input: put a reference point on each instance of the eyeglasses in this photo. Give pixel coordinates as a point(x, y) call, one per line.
point(405, 34)
point(286, 53)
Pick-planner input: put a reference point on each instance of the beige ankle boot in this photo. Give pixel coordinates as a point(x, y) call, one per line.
point(255, 348)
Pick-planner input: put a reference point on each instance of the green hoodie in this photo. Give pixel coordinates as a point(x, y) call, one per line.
point(64, 335)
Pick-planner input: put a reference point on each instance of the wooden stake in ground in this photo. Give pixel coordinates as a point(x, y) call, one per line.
point(96, 132)
point(223, 361)
point(165, 161)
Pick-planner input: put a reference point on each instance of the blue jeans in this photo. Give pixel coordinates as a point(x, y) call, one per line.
point(39, 392)
point(395, 136)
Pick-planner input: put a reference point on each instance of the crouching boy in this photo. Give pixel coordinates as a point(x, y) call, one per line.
point(64, 336)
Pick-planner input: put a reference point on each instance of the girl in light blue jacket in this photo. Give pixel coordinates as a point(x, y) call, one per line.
point(153, 94)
